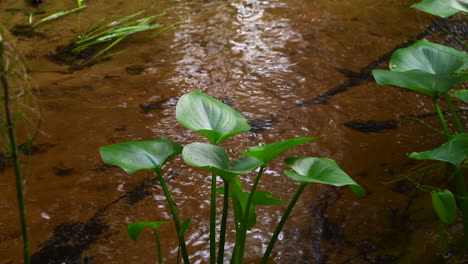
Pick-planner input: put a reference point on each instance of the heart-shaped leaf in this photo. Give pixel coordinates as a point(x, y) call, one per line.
point(462, 95)
point(429, 57)
point(320, 170)
point(455, 150)
point(445, 205)
point(209, 117)
point(216, 160)
point(268, 152)
point(436, 7)
point(429, 84)
point(134, 230)
point(140, 155)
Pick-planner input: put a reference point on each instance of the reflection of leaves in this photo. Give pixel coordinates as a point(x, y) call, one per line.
point(455, 150)
point(140, 155)
point(209, 117)
point(445, 205)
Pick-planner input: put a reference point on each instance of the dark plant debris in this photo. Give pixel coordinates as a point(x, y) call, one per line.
point(372, 126)
point(26, 31)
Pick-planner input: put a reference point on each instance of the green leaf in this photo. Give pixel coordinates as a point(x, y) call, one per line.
point(320, 170)
point(140, 155)
point(268, 152)
point(185, 225)
point(436, 7)
point(216, 160)
point(134, 230)
point(429, 57)
point(209, 117)
point(461, 5)
point(57, 15)
point(455, 150)
point(445, 205)
point(265, 198)
point(426, 83)
point(462, 95)
point(239, 199)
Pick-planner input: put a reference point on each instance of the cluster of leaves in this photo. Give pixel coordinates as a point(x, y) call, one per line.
point(217, 122)
point(433, 70)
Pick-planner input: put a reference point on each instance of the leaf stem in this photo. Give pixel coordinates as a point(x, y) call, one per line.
point(175, 215)
point(441, 118)
point(14, 154)
point(158, 246)
point(222, 235)
point(454, 113)
point(281, 223)
point(243, 235)
point(213, 220)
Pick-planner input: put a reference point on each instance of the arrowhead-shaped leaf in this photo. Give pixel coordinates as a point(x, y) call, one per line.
point(320, 170)
point(140, 155)
point(436, 7)
point(216, 160)
point(134, 230)
point(268, 152)
point(455, 150)
point(445, 205)
point(209, 117)
point(462, 95)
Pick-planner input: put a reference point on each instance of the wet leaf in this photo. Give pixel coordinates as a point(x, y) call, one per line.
point(215, 159)
point(268, 152)
point(455, 150)
point(134, 230)
point(320, 170)
point(445, 205)
point(209, 117)
point(462, 95)
point(436, 7)
point(133, 156)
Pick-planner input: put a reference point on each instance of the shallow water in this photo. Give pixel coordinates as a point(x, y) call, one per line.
point(294, 68)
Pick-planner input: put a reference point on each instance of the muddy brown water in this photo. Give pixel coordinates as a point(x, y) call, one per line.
point(293, 67)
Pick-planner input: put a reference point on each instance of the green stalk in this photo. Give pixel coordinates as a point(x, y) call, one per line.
point(14, 154)
point(461, 189)
point(239, 254)
point(222, 235)
point(281, 223)
point(441, 118)
point(175, 215)
point(443, 238)
point(213, 220)
point(455, 116)
point(158, 246)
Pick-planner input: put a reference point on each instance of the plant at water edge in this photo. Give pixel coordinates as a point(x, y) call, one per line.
point(432, 69)
point(12, 68)
point(218, 122)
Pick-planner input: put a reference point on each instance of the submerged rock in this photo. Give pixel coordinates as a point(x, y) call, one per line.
point(372, 126)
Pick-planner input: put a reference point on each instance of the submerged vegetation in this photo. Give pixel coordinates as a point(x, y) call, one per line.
point(97, 41)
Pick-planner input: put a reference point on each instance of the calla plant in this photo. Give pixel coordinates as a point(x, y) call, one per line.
point(218, 122)
point(433, 69)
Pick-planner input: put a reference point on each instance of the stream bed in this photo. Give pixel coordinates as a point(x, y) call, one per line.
point(294, 68)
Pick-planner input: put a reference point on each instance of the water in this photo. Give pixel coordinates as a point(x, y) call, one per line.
point(292, 67)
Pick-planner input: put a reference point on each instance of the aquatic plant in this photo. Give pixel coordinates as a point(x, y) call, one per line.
point(442, 8)
point(218, 122)
point(15, 98)
point(433, 70)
